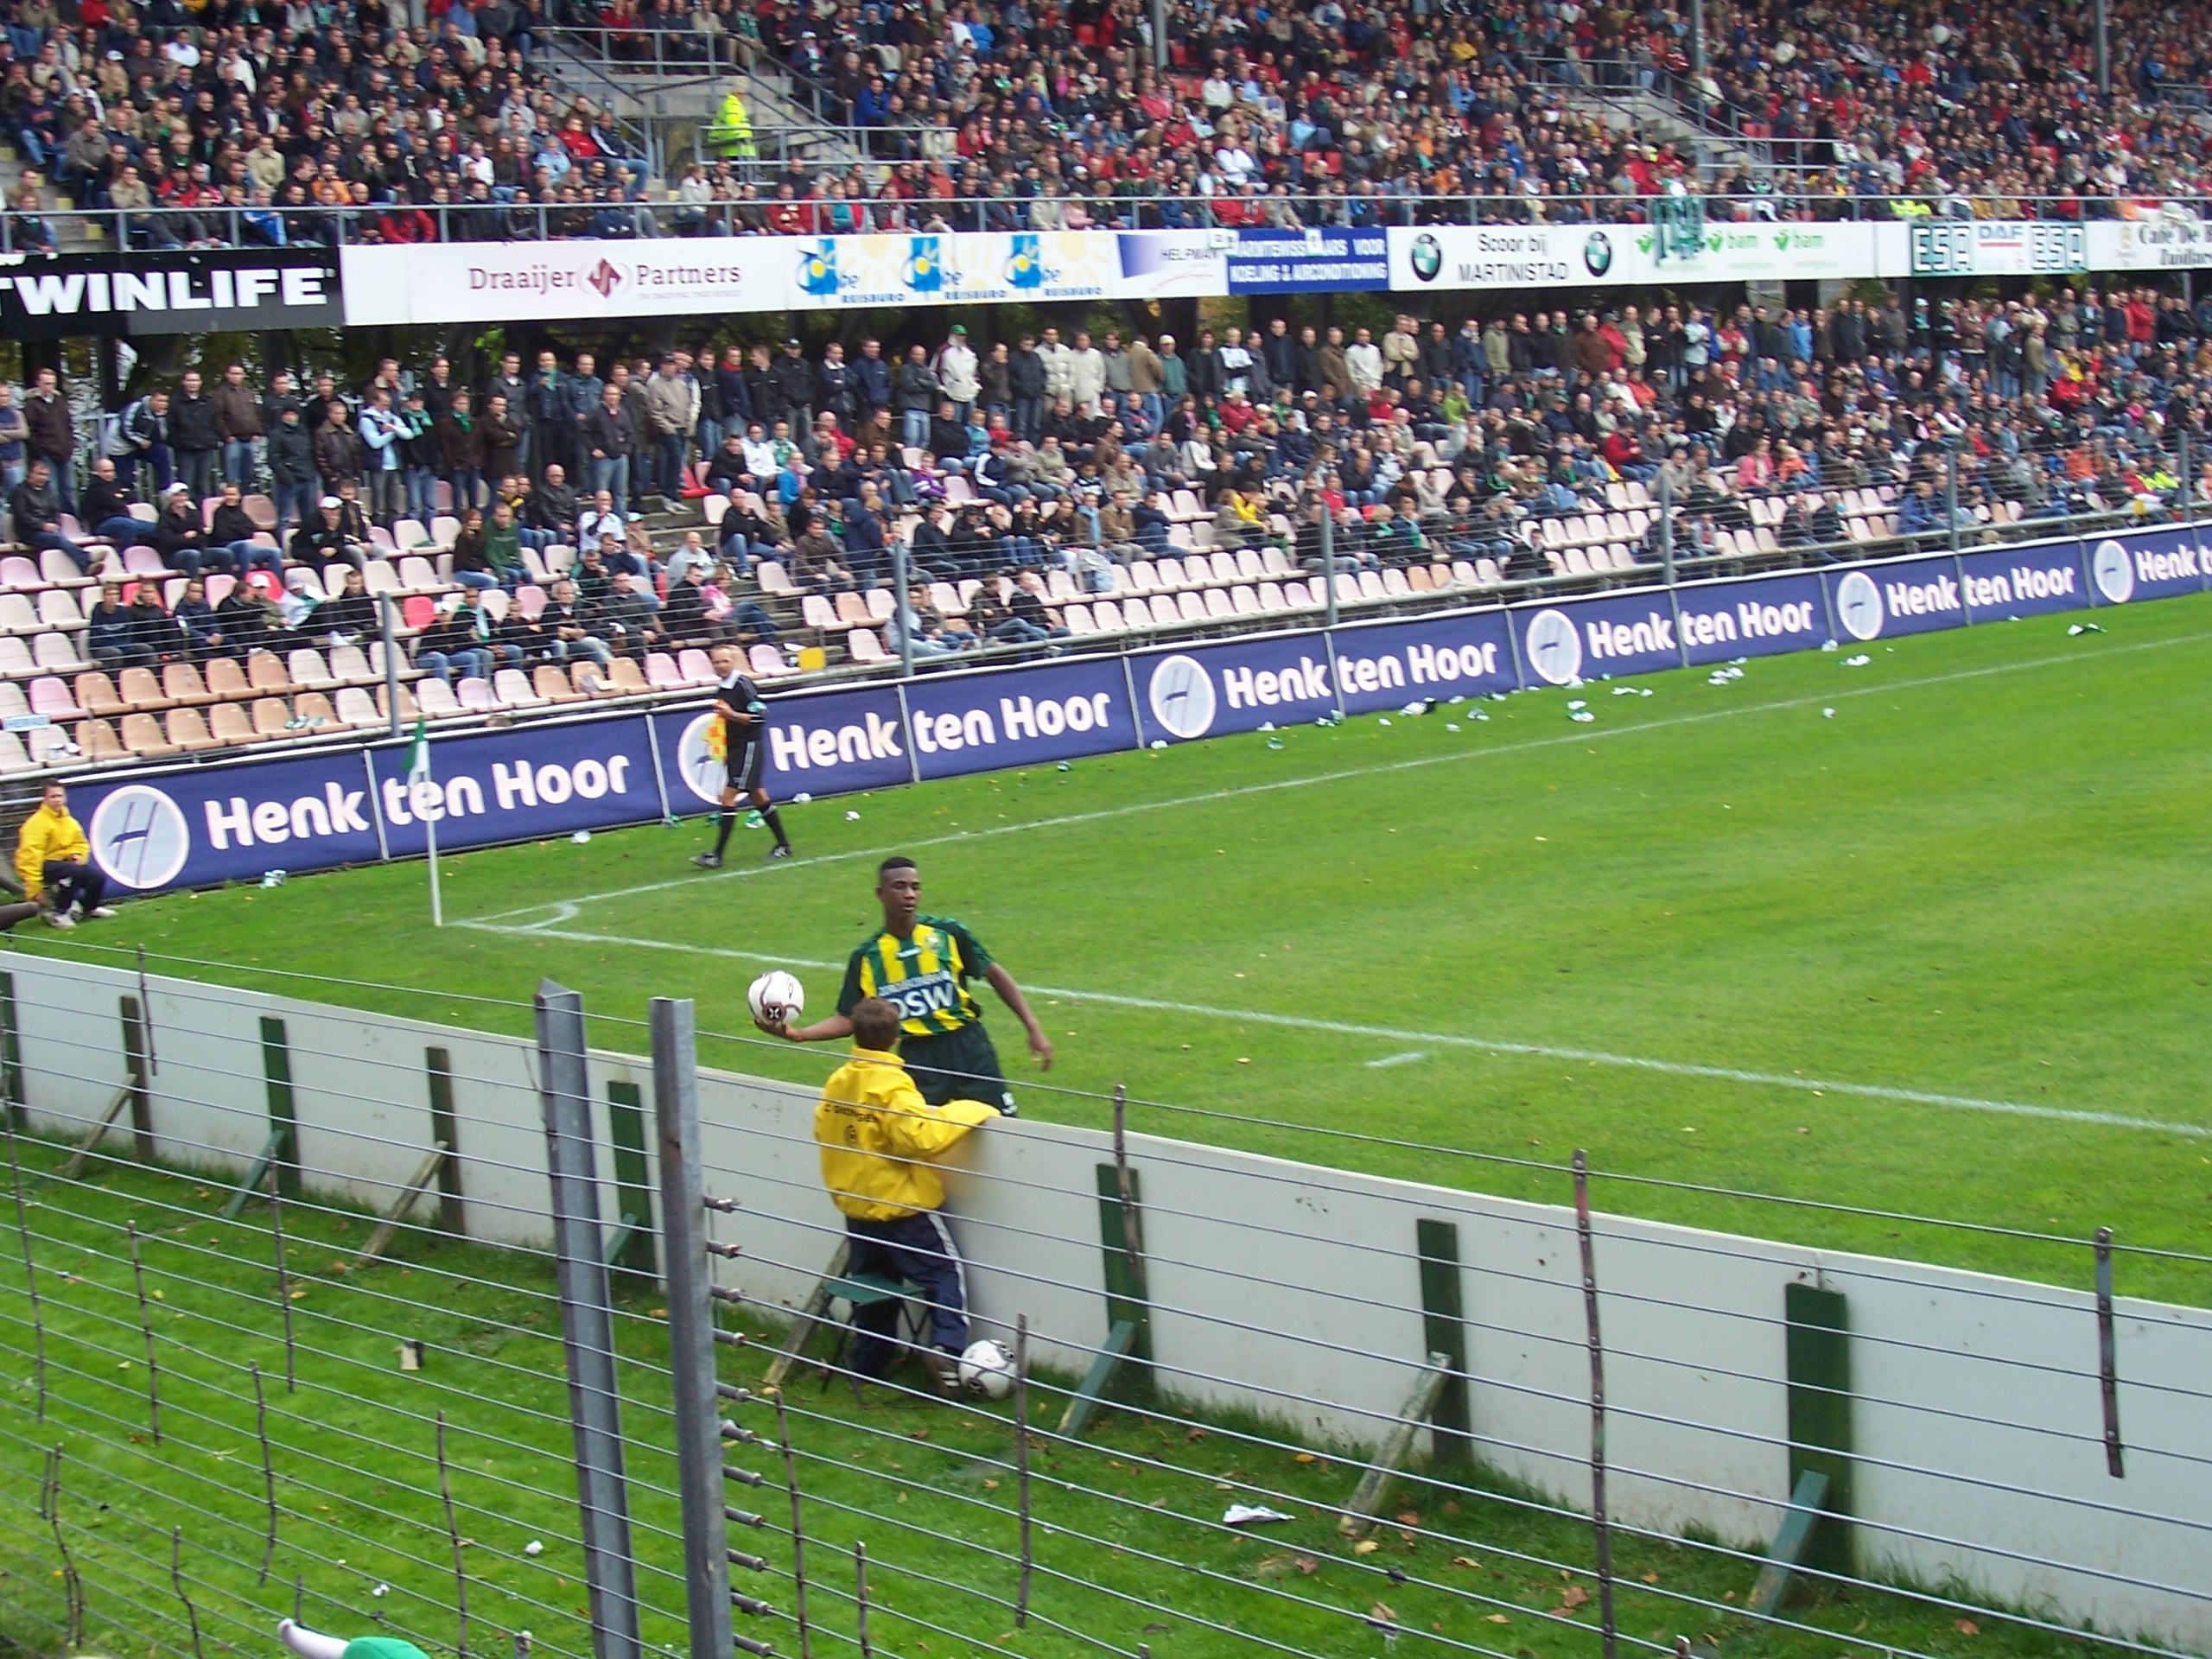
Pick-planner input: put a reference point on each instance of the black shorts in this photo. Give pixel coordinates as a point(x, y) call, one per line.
point(957, 1066)
point(742, 767)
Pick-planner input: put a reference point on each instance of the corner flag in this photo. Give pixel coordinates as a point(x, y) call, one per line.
point(418, 772)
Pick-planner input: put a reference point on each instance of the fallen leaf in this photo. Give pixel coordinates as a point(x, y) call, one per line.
point(1196, 1434)
point(1308, 1566)
point(1499, 1619)
point(1381, 1610)
point(1467, 1561)
point(1574, 1596)
point(1967, 1627)
point(1652, 1577)
point(1158, 1629)
point(1275, 1566)
point(1365, 1547)
point(990, 1485)
point(1303, 1456)
point(1409, 1518)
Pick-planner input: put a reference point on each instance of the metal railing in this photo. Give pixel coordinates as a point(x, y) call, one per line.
point(156, 229)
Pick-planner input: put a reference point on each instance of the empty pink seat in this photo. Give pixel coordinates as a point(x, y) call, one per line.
point(697, 668)
point(475, 696)
point(661, 671)
point(18, 572)
point(50, 697)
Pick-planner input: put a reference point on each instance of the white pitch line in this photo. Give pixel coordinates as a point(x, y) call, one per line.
point(1406, 1058)
point(1488, 1045)
point(1873, 688)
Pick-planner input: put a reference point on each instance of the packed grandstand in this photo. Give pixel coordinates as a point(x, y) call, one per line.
point(204, 560)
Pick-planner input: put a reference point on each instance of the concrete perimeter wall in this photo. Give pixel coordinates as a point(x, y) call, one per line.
point(1292, 1290)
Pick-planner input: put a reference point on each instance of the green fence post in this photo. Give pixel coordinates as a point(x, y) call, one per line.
point(632, 1248)
point(1818, 1358)
point(1444, 1332)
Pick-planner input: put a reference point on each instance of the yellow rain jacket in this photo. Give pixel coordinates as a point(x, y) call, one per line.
point(49, 838)
point(877, 1133)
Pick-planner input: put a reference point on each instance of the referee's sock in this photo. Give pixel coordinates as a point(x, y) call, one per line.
point(722, 829)
point(774, 820)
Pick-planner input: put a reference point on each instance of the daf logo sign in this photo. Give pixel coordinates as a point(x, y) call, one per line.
point(139, 837)
point(1182, 697)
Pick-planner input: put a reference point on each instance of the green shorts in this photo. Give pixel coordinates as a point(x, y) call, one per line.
point(957, 1066)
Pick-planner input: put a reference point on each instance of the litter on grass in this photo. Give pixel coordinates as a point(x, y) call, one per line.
point(1245, 1515)
point(1577, 703)
point(852, 816)
point(1827, 713)
point(1452, 726)
point(2085, 627)
point(1582, 716)
point(1859, 661)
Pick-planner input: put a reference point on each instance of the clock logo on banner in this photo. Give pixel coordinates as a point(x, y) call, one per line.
point(1182, 697)
point(2113, 571)
point(1859, 605)
point(1553, 646)
point(139, 837)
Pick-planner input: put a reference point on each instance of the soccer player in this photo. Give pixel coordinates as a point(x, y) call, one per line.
point(921, 965)
point(877, 1136)
point(744, 755)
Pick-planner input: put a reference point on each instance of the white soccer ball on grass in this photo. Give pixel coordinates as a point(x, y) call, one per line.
point(987, 1369)
point(776, 999)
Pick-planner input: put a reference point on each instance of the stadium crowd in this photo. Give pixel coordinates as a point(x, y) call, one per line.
point(1060, 464)
point(281, 124)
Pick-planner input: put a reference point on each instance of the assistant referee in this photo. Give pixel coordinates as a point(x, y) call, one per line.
point(921, 965)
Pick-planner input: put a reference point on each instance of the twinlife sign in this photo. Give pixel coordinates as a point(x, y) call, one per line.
point(179, 293)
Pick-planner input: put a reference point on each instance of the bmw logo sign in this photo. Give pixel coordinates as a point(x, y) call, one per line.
point(1428, 257)
point(1181, 694)
point(1598, 253)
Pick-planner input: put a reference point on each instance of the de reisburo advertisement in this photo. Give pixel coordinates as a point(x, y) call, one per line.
point(236, 820)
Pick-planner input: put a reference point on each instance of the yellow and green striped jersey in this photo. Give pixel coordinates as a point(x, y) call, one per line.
point(923, 976)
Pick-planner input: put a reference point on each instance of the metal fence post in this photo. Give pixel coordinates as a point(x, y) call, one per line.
point(690, 1327)
point(586, 1323)
point(902, 616)
point(1667, 524)
point(1601, 1525)
point(1951, 493)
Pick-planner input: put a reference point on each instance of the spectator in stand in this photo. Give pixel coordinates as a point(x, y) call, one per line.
point(610, 434)
point(338, 448)
point(106, 508)
point(13, 436)
point(110, 638)
point(382, 431)
point(196, 437)
point(461, 638)
point(567, 628)
point(36, 505)
point(239, 423)
point(461, 450)
point(50, 435)
point(293, 480)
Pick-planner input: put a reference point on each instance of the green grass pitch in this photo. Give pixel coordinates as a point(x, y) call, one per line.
point(1945, 951)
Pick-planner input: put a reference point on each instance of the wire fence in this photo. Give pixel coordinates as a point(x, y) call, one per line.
point(299, 1326)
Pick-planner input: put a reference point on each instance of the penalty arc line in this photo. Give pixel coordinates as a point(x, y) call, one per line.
point(1487, 1045)
point(1343, 775)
